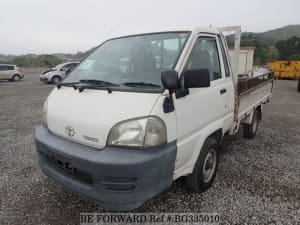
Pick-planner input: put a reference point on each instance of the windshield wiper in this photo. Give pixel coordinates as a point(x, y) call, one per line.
point(96, 82)
point(141, 84)
point(91, 83)
point(72, 84)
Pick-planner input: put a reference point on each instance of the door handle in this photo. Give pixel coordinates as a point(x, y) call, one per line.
point(223, 91)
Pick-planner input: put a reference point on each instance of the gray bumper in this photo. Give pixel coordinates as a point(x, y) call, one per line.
point(43, 79)
point(117, 178)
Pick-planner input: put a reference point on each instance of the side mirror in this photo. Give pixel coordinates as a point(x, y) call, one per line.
point(169, 80)
point(196, 78)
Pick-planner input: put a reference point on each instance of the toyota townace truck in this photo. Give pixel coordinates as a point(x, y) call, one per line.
point(143, 110)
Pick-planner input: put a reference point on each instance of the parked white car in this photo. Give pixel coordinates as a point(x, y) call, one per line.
point(57, 74)
point(144, 110)
point(11, 72)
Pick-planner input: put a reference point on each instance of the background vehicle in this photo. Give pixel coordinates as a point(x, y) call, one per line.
point(145, 109)
point(11, 72)
point(57, 74)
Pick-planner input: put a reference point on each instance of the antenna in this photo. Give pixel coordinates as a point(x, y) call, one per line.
point(108, 33)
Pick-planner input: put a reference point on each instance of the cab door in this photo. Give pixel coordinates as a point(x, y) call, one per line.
point(203, 108)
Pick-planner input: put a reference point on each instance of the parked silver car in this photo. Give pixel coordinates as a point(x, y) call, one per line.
point(56, 74)
point(11, 72)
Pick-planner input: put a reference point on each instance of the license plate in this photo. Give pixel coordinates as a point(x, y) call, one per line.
point(63, 163)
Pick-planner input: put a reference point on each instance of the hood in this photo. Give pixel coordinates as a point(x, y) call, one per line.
point(49, 70)
point(87, 117)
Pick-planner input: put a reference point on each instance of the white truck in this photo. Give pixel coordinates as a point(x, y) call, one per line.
point(120, 133)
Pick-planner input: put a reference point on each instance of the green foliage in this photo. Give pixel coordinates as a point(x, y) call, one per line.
point(294, 57)
point(261, 48)
point(272, 54)
point(288, 48)
point(261, 55)
point(283, 33)
point(35, 61)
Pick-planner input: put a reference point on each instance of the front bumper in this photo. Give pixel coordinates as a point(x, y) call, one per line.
point(43, 79)
point(117, 178)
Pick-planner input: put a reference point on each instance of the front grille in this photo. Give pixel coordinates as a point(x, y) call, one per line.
point(64, 167)
point(118, 183)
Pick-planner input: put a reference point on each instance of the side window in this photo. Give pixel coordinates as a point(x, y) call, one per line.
point(226, 66)
point(68, 66)
point(205, 56)
point(4, 68)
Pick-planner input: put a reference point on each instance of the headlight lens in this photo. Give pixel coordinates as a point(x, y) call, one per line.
point(45, 109)
point(142, 132)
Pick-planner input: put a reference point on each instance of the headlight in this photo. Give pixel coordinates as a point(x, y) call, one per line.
point(45, 109)
point(141, 132)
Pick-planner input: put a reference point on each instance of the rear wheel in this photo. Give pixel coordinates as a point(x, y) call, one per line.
point(250, 130)
point(206, 167)
point(56, 80)
point(298, 88)
point(16, 78)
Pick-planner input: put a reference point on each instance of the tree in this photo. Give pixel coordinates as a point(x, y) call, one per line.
point(288, 49)
point(262, 48)
point(35, 61)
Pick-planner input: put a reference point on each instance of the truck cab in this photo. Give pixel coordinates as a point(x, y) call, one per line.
point(143, 110)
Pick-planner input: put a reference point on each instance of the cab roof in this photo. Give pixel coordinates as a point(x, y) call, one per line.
point(119, 34)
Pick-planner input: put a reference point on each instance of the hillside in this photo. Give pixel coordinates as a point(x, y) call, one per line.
point(272, 36)
point(265, 43)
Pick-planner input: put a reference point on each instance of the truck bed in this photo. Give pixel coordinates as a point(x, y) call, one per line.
point(252, 92)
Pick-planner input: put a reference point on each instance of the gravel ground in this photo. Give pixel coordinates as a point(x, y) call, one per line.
point(258, 180)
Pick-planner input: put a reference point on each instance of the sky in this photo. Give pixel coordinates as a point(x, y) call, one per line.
point(66, 26)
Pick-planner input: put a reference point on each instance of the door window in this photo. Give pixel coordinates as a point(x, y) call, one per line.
point(68, 66)
point(4, 68)
point(205, 56)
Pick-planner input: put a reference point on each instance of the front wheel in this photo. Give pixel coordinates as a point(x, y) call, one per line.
point(206, 167)
point(16, 78)
point(298, 88)
point(56, 80)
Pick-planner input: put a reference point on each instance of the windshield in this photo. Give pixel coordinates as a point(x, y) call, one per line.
point(134, 62)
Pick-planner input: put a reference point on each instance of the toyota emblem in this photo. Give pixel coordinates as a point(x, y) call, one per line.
point(70, 131)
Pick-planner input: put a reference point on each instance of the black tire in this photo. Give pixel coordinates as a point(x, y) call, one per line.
point(198, 181)
point(55, 80)
point(16, 78)
point(250, 130)
point(298, 88)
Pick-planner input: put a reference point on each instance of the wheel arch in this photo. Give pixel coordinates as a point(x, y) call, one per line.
point(259, 110)
point(217, 135)
point(16, 74)
point(55, 75)
point(191, 150)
